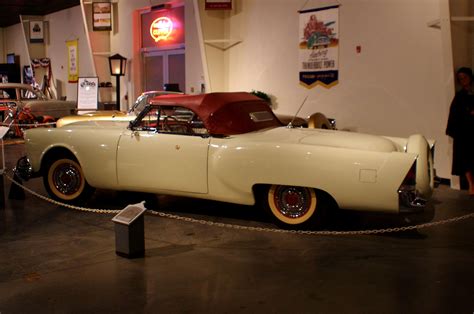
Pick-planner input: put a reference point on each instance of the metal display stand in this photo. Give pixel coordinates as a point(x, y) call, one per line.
point(130, 231)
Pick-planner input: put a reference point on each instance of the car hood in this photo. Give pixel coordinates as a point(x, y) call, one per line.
point(328, 138)
point(50, 102)
point(105, 115)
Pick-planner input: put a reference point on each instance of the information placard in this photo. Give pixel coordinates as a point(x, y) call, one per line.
point(130, 213)
point(87, 93)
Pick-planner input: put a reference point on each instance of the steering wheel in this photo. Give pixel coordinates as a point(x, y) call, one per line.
point(165, 124)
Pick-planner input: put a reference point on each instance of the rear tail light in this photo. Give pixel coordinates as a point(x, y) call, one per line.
point(410, 178)
point(407, 193)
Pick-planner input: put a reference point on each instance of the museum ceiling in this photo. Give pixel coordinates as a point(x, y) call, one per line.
point(10, 10)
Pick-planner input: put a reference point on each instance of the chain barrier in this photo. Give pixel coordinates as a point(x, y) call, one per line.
point(92, 210)
point(28, 124)
point(250, 228)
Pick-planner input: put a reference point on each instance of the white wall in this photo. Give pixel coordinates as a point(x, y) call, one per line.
point(67, 25)
point(395, 86)
point(122, 43)
point(194, 64)
point(63, 25)
point(14, 42)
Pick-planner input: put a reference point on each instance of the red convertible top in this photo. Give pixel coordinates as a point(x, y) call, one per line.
point(225, 113)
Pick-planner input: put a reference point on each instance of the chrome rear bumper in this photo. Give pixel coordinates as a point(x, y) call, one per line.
point(410, 201)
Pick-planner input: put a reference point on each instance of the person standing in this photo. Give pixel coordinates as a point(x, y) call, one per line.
point(461, 128)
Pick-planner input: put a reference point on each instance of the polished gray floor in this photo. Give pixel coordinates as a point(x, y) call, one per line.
point(59, 260)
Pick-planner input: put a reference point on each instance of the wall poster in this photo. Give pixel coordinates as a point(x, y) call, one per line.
point(87, 93)
point(36, 31)
point(319, 47)
point(102, 16)
point(72, 64)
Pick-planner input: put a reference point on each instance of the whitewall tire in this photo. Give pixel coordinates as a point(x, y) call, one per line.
point(292, 205)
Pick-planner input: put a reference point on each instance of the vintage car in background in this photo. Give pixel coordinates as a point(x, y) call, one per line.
point(115, 115)
point(315, 121)
point(231, 147)
point(24, 96)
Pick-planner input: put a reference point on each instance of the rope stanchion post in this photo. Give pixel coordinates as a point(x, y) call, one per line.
point(2, 190)
point(3, 131)
point(16, 192)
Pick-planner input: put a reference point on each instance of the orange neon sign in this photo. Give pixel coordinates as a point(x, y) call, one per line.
point(161, 28)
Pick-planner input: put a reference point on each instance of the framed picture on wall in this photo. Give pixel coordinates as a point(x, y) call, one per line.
point(102, 16)
point(36, 31)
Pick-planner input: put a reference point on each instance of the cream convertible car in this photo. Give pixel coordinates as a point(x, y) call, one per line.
point(230, 147)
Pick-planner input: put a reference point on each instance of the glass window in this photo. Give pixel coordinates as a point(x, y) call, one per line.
point(180, 120)
point(149, 121)
point(140, 104)
point(172, 120)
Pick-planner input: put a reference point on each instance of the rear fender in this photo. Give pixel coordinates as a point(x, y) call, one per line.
point(417, 144)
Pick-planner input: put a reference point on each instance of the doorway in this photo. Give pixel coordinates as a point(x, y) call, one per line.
point(164, 67)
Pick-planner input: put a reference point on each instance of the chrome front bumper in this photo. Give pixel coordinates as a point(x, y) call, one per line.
point(24, 170)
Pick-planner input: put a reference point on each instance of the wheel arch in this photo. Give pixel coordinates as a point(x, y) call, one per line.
point(63, 177)
point(53, 154)
point(326, 207)
point(259, 190)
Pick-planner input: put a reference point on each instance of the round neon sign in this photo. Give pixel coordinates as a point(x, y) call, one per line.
point(161, 28)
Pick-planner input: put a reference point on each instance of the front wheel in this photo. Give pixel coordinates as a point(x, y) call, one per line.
point(64, 180)
point(291, 205)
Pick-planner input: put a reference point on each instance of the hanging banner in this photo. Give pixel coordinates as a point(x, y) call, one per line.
point(72, 66)
point(319, 47)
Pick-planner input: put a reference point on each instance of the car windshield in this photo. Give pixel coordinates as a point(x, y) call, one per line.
point(170, 119)
point(140, 104)
point(143, 99)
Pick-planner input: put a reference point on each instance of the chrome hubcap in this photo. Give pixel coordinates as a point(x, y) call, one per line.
point(292, 202)
point(67, 179)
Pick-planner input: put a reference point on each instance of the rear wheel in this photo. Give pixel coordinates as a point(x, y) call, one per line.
point(64, 180)
point(292, 205)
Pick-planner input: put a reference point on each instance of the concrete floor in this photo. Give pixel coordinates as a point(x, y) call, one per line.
point(57, 260)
